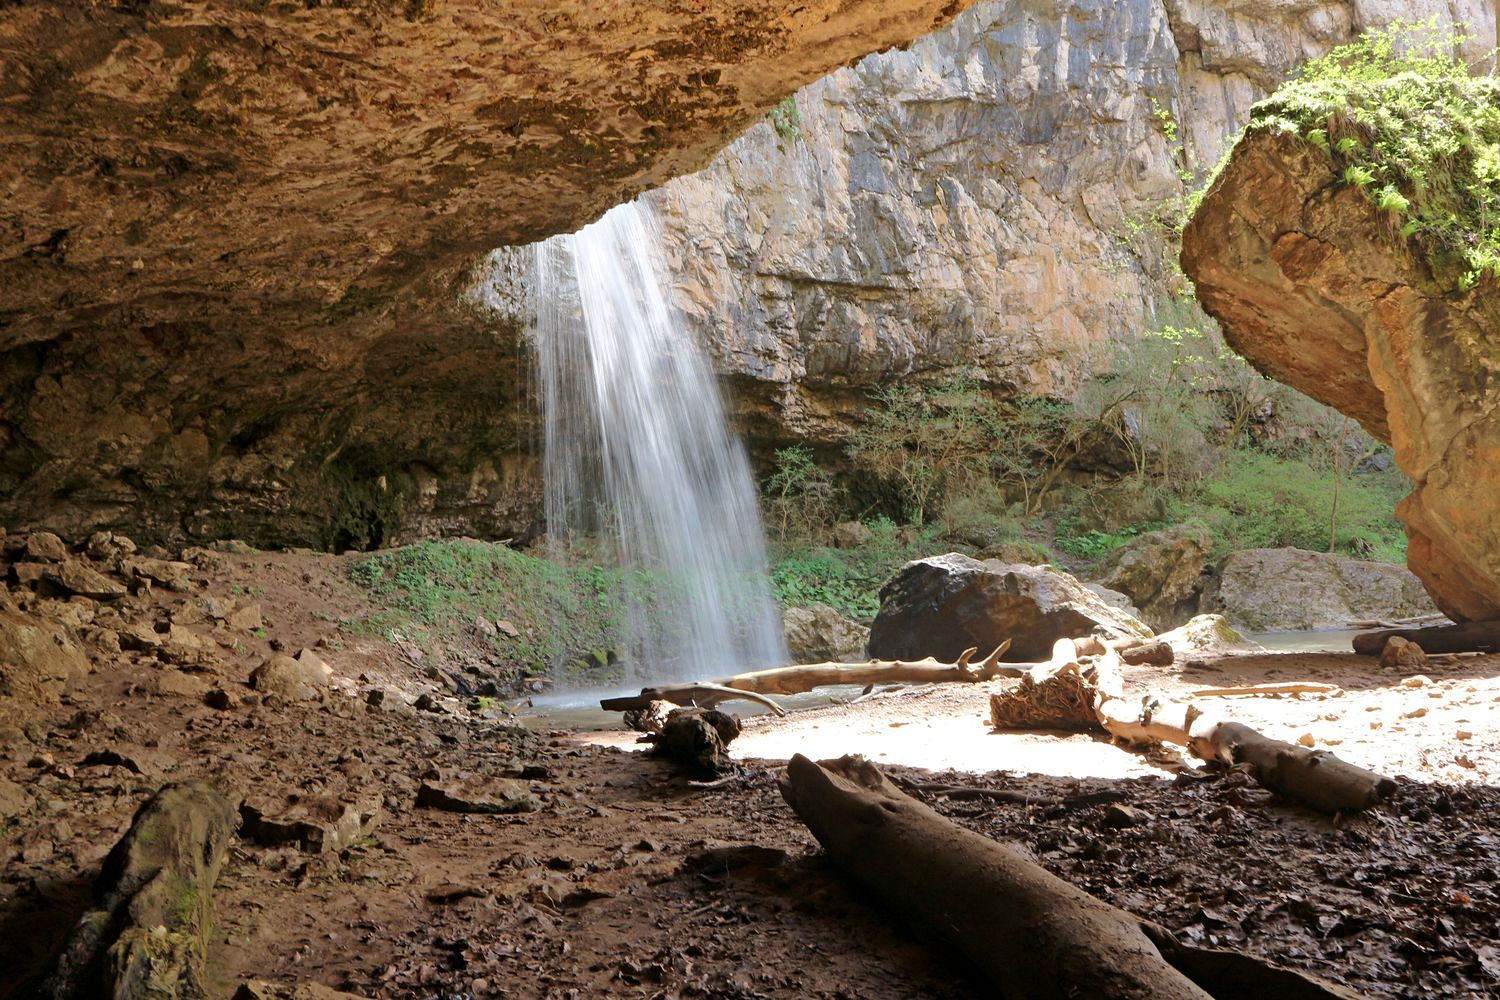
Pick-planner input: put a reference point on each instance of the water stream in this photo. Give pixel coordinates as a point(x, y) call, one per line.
point(639, 460)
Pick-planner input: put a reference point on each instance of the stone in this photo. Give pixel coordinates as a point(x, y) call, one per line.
point(850, 535)
point(220, 699)
point(1206, 635)
point(1273, 589)
point(817, 632)
point(314, 823)
point(477, 794)
point(521, 120)
point(1402, 654)
point(175, 682)
point(147, 763)
point(170, 574)
point(155, 902)
point(77, 577)
point(1113, 598)
point(1307, 284)
point(37, 657)
point(13, 799)
point(44, 546)
point(289, 678)
point(108, 547)
point(139, 637)
point(257, 989)
point(942, 605)
point(1162, 573)
point(247, 618)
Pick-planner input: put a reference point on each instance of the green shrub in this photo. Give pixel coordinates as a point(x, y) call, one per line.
point(1415, 131)
point(1265, 501)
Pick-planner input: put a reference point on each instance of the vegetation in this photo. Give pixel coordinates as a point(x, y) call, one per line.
point(1404, 121)
point(786, 119)
point(432, 593)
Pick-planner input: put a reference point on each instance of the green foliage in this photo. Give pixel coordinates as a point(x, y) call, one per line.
point(848, 580)
point(1261, 500)
point(920, 439)
point(432, 592)
point(801, 499)
point(1413, 130)
point(1094, 544)
point(786, 119)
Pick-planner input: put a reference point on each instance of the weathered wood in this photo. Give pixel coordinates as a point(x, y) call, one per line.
point(804, 677)
point(1475, 637)
point(1033, 935)
point(1271, 690)
point(1065, 693)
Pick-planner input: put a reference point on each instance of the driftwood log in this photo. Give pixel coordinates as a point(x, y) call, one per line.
point(1033, 935)
point(1470, 637)
point(1069, 692)
point(755, 686)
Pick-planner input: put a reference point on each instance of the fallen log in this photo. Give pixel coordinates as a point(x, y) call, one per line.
point(1065, 693)
point(1271, 690)
point(804, 677)
point(1470, 637)
point(696, 739)
point(1032, 934)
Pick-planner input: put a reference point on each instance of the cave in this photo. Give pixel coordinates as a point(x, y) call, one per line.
point(1070, 424)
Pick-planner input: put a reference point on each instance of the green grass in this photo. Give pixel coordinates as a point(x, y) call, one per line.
point(849, 580)
point(432, 592)
point(1265, 501)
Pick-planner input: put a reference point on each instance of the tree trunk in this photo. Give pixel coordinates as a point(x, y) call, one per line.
point(1033, 935)
point(1477, 637)
point(807, 676)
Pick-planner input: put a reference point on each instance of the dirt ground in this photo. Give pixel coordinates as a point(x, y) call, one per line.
point(630, 881)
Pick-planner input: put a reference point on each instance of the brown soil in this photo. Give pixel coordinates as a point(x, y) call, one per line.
point(630, 881)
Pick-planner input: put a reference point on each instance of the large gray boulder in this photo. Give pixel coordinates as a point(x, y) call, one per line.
point(942, 605)
point(1162, 573)
point(1271, 589)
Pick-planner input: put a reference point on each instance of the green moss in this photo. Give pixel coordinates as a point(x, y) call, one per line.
point(1404, 121)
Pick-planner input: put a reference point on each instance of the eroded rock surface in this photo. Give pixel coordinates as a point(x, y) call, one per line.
point(1307, 283)
point(236, 237)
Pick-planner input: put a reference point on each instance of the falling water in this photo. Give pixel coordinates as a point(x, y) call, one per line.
point(638, 455)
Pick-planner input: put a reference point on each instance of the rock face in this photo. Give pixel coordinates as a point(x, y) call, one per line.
point(945, 604)
point(1306, 284)
point(236, 238)
point(983, 201)
point(817, 633)
point(1265, 589)
point(1162, 573)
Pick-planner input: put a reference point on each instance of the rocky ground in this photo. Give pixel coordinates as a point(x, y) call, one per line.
point(608, 874)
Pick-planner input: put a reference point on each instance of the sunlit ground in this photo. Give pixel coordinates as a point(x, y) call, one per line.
point(1441, 726)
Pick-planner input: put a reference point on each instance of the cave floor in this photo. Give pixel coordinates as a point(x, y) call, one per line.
point(631, 881)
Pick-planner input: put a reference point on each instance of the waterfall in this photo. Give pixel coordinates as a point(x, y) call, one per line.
point(638, 455)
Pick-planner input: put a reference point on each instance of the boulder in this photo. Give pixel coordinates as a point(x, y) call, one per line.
point(850, 535)
point(76, 576)
point(1162, 573)
point(816, 633)
point(477, 794)
point(314, 823)
point(945, 604)
point(296, 679)
point(1206, 635)
point(148, 937)
point(44, 546)
point(1273, 589)
point(36, 656)
point(1308, 283)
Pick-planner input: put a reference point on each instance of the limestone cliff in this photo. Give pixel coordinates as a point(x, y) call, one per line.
point(234, 236)
point(983, 200)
